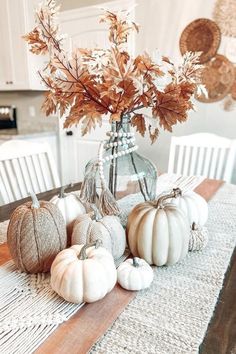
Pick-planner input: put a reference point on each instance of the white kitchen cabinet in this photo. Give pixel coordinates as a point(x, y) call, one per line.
point(84, 30)
point(18, 66)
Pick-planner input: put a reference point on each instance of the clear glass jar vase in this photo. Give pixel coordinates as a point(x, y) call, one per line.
point(125, 171)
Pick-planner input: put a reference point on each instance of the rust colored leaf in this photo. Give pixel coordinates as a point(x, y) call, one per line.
point(138, 121)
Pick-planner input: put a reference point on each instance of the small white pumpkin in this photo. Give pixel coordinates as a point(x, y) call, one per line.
point(158, 232)
point(198, 238)
point(70, 207)
point(108, 229)
point(83, 273)
point(135, 274)
point(194, 206)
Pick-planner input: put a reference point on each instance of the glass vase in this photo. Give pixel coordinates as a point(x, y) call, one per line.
point(125, 171)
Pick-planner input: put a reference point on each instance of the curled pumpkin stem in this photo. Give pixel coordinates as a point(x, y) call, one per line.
point(176, 192)
point(82, 255)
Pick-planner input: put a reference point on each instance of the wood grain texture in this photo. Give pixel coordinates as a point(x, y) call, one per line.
point(82, 330)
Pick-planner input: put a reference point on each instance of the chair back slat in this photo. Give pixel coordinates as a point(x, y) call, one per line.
point(202, 154)
point(212, 172)
point(19, 176)
point(26, 167)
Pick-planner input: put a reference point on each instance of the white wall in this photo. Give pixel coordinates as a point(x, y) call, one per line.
point(162, 23)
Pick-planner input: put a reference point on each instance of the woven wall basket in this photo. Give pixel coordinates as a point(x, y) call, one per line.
point(218, 78)
point(225, 16)
point(202, 35)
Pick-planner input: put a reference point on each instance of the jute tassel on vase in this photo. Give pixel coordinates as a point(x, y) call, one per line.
point(88, 192)
point(107, 202)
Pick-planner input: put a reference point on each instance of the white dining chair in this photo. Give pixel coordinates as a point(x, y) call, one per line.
point(26, 167)
point(202, 154)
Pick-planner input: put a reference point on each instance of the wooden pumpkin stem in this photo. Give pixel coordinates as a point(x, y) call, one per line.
point(35, 203)
point(135, 262)
point(194, 226)
point(82, 255)
point(176, 192)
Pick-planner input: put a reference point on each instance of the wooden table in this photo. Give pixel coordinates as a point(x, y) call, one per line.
point(78, 334)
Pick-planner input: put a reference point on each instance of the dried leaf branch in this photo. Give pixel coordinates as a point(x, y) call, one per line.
point(90, 83)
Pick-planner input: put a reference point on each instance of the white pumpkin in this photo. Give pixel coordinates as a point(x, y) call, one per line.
point(194, 206)
point(108, 229)
point(83, 273)
point(70, 207)
point(158, 232)
point(134, 274)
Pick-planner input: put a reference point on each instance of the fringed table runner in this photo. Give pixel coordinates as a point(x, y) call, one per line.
point(174, 312)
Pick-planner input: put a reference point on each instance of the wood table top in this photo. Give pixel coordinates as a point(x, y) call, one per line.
point(83, 329)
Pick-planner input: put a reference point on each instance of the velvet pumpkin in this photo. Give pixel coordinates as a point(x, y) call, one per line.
point(83, 273)
point(158, 232)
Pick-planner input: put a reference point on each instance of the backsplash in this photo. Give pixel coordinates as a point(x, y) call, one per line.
point(30, 119)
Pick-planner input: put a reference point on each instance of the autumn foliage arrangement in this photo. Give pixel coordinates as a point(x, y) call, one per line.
point(87, 84)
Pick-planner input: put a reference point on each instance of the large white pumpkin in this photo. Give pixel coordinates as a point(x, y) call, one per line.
point(108, 229)
point(83, 273)
point(158, 232)
point(134, 274)
point(70, 207)
point(194, 206)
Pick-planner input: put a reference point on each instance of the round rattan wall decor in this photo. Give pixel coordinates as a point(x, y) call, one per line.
point(218, 78)
point(202, 35)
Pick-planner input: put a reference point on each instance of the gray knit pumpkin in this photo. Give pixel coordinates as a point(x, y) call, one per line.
point(35, 235)
point(107, 229)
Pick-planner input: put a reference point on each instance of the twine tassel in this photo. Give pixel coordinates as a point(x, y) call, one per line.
point(88, 189)
point(107, 203)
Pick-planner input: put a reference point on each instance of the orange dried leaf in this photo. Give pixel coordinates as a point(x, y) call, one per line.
point(138, 121)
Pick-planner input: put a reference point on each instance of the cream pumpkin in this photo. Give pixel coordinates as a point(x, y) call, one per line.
point(158, 232)
point(83, 273)
point(70, 206)
point(134, 274)
point(35, 235)
point(108, 229)
point(194, 206)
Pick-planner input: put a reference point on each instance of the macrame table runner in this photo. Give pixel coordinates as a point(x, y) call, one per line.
point(171, 316)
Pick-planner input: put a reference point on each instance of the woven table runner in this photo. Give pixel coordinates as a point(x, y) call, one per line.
point(172, 316)
point(30, 311)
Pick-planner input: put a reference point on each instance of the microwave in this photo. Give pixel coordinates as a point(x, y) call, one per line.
point(8, 117)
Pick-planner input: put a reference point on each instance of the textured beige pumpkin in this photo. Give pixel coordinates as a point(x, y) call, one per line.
point(194, 206)
point(158, 232)
point(134, 274)
point(83, 273)
point(36, 234)
point(108, 229)
point(198, 238)
point(70, 206)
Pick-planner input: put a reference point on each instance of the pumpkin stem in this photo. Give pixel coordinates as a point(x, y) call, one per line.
point(135, 262)
point(176, 192)
point(35, 203)
point(62, 190)
point(82, 255)
point(194, 226)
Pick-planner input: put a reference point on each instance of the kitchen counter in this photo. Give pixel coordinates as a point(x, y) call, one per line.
point(7, 134)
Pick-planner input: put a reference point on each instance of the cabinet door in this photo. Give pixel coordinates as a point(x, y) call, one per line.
point(18, 67)
point(5, 60)
point(18, 51)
